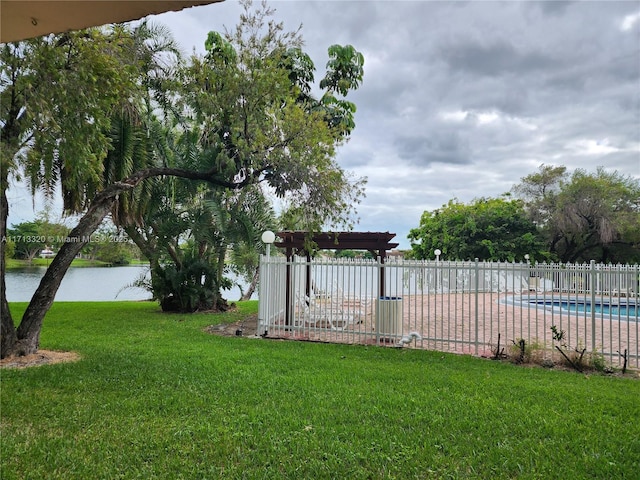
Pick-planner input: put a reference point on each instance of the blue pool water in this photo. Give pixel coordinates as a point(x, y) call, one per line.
point(624, 309)
point(615, 308)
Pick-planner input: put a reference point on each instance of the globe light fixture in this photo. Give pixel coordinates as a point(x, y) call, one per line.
point(268, 238)
point(437, 253)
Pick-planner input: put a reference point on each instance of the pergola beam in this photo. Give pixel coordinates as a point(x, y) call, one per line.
point(378, 242)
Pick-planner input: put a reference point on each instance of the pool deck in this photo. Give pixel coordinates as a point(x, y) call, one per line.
point(470, 323)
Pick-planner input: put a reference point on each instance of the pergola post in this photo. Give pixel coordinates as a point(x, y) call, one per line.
point(382, 290)
point(288, 286)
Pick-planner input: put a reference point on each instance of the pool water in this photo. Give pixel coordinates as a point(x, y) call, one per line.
point(605, 308)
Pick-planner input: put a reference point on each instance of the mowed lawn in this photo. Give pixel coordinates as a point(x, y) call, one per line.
point(154, 396)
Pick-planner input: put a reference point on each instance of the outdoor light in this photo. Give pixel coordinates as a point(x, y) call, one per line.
point(437, 253)
point(268, 237)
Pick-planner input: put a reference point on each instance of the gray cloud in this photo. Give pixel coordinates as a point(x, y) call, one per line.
point(553, 8)
point(439, 147)
point(494, 59)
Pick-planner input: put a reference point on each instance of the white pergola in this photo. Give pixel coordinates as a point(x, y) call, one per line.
point(22, 19)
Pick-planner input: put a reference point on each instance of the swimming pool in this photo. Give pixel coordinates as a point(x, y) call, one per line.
point(624, 308)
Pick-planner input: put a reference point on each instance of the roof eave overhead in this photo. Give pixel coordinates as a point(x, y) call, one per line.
point(23, 19)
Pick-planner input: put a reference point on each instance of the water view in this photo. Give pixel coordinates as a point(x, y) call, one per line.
point(86, 284)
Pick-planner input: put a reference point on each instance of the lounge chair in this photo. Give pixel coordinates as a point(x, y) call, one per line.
point(324, 313)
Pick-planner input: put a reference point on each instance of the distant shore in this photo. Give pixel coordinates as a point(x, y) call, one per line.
point(12, 263)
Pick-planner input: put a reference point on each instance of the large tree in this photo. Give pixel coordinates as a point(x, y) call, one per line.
point(492, 229)
point(248, 110)
point(57, 94)
point(585, 216)
point(119, 122)
point(32, 237)
point(63, 97)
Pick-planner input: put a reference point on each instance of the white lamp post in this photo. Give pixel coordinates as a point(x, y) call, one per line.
point(268, 237)
point(437, 253)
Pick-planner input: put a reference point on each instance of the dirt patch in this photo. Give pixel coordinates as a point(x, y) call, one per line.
point(244, 328)
point(41, 357)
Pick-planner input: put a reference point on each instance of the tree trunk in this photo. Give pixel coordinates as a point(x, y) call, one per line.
point(28, 333)
point(7, 328)
point(26, 338)
point(252, 286)
point(149, 250)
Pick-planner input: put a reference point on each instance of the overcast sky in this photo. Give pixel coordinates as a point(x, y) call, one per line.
point(462, 99)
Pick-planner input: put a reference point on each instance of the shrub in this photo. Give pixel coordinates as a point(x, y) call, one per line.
point(521, 352)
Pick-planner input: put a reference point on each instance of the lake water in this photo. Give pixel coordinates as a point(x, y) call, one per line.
point(86, 284)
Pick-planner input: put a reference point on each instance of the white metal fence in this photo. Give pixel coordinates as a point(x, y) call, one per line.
point(460, 307)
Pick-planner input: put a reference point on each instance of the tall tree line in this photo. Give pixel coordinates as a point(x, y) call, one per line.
point(555, 216)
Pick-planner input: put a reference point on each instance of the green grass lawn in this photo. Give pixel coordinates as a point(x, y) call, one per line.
point(154, 396)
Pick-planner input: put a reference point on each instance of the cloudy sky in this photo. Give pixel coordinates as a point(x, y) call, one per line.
point(462, 99)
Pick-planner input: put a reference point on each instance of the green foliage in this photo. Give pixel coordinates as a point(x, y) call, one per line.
point(585, 216)
point(181, 288)
point(281, 135)
point(522, 352)
point(250, 214)
point(354, 254)
point(29, 238)
point(487, 229)
point(154, 396)
point(598, 218)
point(245, 113)
point(345, 69)
point(597, 361)
point(56, 134)
point(100, 111)
point(219, 50)
point(9, 249)
point(58, 97)
point(571, 218)
point(558, 335)
point(301, 72)
point(111, 246)
point(181, 241)
point(576, 358)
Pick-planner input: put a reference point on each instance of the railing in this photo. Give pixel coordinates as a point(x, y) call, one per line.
point(465, 307)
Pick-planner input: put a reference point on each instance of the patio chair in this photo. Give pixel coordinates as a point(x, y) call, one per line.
point(533, 285)
point(339, 299)
point(324, 313)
